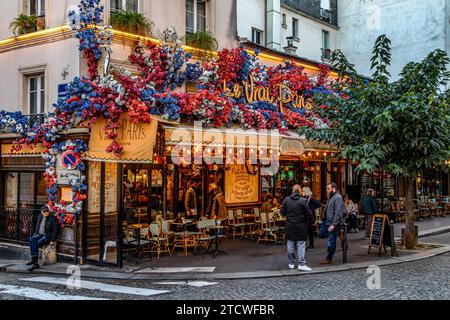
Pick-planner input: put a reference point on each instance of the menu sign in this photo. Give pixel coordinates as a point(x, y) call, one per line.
point(110, 187)
point(94, 187)
point(241, 187)
point(382, 234)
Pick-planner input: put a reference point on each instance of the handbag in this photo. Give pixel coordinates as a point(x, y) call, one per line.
point(49, 255)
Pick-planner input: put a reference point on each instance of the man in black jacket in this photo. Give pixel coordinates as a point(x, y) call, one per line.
point(46, 232)
point(298, 215)
point(313, 205)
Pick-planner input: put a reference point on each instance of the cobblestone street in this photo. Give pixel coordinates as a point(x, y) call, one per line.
point(424, 279)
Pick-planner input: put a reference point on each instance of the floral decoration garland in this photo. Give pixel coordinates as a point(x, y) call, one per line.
point(66, 211)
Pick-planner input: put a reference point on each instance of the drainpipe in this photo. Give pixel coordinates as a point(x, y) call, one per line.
point(273, 23)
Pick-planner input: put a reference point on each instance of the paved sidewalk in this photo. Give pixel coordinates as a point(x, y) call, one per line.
point(428, 227)
point(246, 259)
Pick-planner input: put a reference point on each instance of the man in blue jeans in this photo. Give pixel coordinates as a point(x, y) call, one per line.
point(46, 232)
point(332, 219)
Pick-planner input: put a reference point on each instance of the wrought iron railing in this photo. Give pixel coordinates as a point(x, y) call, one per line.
point(17, 224)
point(326, 15)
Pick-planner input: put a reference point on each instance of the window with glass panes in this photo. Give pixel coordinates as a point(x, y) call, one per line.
point(124, 5)
point(195, 16)
point(37, 7)
point(36, 94)
point(24, 189)
point(257, 36)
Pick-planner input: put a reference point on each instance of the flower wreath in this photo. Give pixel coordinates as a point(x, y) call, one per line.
point(65, 211)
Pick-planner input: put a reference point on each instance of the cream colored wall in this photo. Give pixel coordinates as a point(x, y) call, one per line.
point(55, 57)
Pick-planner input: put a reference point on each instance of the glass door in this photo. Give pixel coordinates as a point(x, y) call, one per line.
point(102, 219)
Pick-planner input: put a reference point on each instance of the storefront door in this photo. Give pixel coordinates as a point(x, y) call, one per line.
point(102, 218)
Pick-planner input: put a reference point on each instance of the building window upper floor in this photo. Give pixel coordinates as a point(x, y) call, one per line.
point(36, 7)
point(36, 94)
point(124, 5)
point(326, 50)
point(257, 36)
point(295, 28)
point(196, 12)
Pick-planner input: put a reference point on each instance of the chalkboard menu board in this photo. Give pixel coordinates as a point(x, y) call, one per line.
point(381, 234)
point(377, 232)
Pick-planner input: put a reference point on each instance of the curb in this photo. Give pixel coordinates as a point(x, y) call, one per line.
point(434, 232)
point(442, 249)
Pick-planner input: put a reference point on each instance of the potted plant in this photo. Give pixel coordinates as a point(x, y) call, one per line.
point(23, 24)
point(131, 22)
point(203, 40)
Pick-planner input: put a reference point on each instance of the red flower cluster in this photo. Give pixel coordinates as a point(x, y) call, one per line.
point(210, 106)
point(152, 64)
point(296, 120)
point(138, 111)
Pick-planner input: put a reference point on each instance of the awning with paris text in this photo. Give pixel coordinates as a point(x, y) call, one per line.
point(138, 141)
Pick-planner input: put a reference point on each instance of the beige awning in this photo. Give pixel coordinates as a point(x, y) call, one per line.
point(289, 144)
point(138, 141)
point(26, 150)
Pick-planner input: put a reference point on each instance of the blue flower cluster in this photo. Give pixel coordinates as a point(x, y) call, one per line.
point(175, 76)
point(168, 107)
point(90, 13)
point(15, 121)
point(84, 91)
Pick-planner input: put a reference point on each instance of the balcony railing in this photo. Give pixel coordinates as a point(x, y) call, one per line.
point(17, 224)
point(326, 15)
point(326, 54)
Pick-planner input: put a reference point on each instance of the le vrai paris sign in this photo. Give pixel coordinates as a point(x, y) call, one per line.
point(253, 93)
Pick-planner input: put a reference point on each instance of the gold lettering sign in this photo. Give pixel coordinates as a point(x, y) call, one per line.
point(137, 139)
point(252, 93)
point(240, 186)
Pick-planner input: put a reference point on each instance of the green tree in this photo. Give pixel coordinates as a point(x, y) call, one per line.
point(402, 127)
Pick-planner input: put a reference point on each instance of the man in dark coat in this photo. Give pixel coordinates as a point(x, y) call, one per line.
point(369, 207)
point(332, 219)
point(46, 233)
point(298, 215)
point(313, 206)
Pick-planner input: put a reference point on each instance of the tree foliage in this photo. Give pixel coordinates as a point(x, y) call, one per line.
point(402, 127)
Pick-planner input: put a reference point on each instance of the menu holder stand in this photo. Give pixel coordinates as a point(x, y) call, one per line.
point(382, 235)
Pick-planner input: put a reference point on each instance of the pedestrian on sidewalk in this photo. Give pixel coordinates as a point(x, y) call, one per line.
point(352, 212)
point(298, 215)
point(313, 205)
point(46, 233)
point(369, 207)
point(332, 220)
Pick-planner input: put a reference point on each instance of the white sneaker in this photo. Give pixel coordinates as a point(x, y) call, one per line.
point(291, 266)
point(304, 268)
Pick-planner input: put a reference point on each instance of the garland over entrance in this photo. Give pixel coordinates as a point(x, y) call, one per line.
point(232, 88)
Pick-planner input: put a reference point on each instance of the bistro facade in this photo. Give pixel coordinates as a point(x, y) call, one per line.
point(124, 148)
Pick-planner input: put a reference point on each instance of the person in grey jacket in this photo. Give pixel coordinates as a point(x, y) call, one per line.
point(333, 217)
point(298, 215)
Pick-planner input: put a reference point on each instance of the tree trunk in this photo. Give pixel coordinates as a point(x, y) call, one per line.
point(410, 231)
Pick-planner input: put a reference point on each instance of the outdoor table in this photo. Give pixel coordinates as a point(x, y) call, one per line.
point(216, 251)
point(136, 228)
